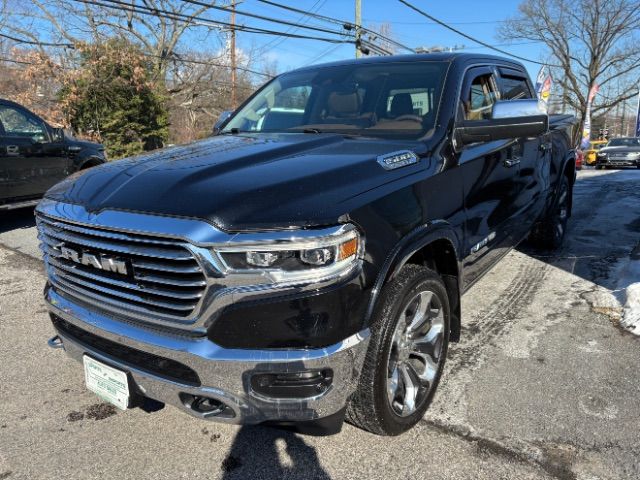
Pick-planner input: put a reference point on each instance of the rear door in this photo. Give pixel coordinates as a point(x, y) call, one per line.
point(532, 153)
point(32, 162)
point(490, 179)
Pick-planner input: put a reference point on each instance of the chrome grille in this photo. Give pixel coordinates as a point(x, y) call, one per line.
point(163, 277)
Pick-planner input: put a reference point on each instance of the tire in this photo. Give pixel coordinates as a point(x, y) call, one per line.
point(598, 167)
point(388, 367)
point(549, 233)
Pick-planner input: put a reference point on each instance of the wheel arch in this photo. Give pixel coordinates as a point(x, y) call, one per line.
point(435, 245)
point(90, 162)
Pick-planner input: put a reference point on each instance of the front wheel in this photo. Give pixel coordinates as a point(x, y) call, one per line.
point(406, 354)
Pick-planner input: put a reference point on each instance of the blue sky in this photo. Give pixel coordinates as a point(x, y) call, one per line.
point(408, 27)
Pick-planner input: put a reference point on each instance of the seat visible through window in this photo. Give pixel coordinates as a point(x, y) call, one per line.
point(402, 104)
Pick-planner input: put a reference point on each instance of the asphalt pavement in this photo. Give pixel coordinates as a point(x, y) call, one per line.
point(545, 382)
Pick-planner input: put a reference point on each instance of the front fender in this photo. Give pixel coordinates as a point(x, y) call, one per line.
point(413, 242)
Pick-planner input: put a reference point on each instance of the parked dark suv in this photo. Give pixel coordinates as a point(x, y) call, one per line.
point(35, 156)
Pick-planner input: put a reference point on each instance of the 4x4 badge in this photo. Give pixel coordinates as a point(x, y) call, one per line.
point(391, 161)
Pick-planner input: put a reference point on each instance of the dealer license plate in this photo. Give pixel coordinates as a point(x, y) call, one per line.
point(109, 383)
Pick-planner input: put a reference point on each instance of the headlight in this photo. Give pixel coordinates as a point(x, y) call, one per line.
point(601, 154)
point(298, 257)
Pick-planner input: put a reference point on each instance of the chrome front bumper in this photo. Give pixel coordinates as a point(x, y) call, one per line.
point(224, 373)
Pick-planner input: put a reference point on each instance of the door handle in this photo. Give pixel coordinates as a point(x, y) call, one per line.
point(13, 150)
point(511, 162)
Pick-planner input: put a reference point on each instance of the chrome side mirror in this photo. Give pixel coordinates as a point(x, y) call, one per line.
point(509, 119)
point(518, 108)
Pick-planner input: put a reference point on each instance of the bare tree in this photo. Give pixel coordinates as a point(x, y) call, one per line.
point(156, 25)
point(200, 89)
point(591, 42)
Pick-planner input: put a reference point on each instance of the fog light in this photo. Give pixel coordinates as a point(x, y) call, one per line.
point(310, 383)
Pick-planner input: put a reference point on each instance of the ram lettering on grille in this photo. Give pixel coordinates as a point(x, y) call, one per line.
point(101, 262)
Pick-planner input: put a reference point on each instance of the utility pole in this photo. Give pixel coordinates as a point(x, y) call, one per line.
point(234, 97)
point(358, 27)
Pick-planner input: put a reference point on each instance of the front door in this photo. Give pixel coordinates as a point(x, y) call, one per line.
point(490, 172)
point(30, 161)
point(534, 155)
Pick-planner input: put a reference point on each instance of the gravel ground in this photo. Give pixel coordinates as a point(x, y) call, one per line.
point(544, 384)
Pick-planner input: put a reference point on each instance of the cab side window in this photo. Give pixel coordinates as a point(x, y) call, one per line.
point(481, 94)
point(514, 87)
point(18, 123)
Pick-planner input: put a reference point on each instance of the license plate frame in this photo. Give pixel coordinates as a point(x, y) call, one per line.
point(109, 383)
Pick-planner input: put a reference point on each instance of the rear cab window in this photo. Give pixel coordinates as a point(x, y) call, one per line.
point(514, 84)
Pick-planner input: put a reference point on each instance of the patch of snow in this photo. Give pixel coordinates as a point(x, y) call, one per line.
point(630, 276)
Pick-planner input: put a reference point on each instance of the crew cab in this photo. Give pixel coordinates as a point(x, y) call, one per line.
point(306, 263)
point(35, 156)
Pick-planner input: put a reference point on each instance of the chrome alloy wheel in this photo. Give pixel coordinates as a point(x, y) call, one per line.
point(416, 353)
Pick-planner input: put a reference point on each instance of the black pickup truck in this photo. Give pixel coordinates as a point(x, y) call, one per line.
point(35, 156)
point(307, 261)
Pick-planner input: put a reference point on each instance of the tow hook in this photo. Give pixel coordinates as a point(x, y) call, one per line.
point(55, 342)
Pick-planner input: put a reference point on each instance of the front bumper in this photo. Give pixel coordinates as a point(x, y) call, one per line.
point(224, 374)
point(617, 162)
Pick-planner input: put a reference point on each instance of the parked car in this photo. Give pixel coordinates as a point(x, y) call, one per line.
point(307, 265)
point(620, 152)
point(579, 159)
point(590, 153)
point(35, 156)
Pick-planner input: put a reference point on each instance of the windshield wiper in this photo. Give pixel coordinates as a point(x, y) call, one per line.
point(311, 130)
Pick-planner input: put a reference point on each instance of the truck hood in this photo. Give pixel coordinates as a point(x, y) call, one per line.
point(246, 181)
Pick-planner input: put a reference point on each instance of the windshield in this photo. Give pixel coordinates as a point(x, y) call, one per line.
point(624, 142)
point(396, 100)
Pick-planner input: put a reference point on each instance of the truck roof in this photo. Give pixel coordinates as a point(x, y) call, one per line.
point(453, 57)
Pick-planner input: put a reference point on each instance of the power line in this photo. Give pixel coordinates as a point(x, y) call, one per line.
point(278, 41)
point(216, 82)
point(178, 57)
point(34, 42)
point(345, 24)
point(449, 27)
point(263, 17)
point(196, 20)
point(175, 56)
point(322, 55)
point(20, 62)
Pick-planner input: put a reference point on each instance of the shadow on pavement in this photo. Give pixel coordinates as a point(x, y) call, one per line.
point(603, 232)
point(261, 452)
point(15, 219)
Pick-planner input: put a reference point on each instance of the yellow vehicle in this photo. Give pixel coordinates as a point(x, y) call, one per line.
point(590, 153)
